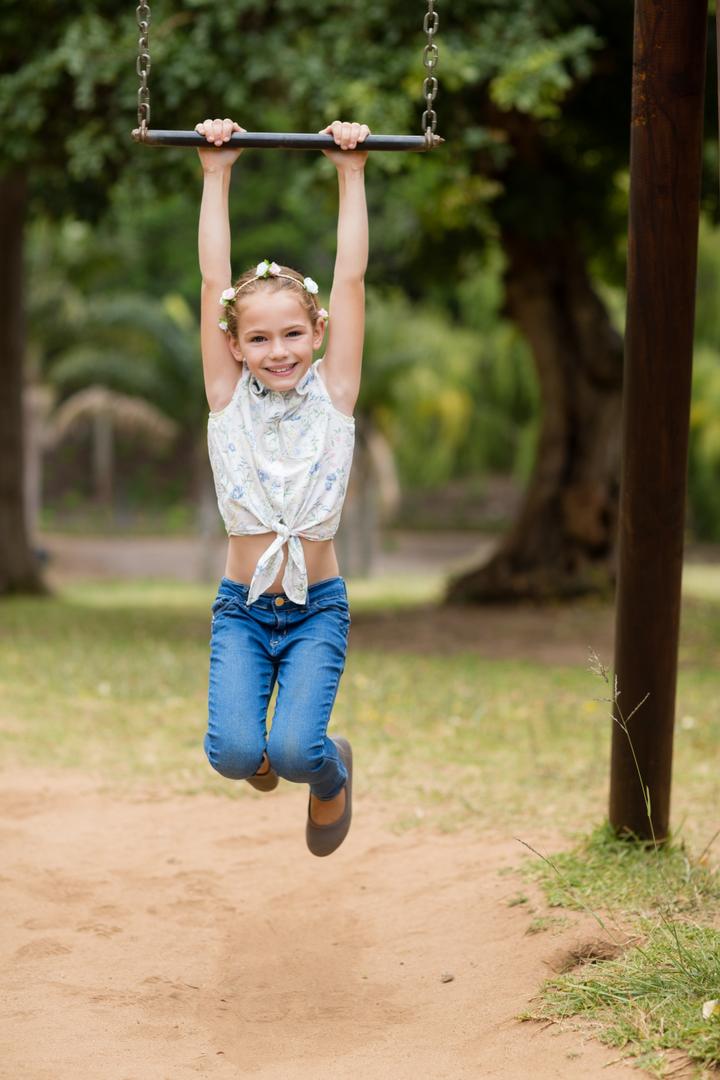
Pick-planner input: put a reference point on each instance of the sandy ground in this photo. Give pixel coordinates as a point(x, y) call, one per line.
point(156, 937)
point(161, 938)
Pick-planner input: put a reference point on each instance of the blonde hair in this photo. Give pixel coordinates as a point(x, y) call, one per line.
point(290, 281)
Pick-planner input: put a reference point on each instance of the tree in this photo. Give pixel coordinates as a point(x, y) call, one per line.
point(38, 75)
point(554, 195)
point(68, 93)
point(19, 569)
point(535, 107)
point(559, 149)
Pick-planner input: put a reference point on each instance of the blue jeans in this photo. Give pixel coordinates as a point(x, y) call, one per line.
point(301, 647)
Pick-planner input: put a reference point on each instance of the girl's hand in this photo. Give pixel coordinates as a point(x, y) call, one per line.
point(347, 136)
point(218, 132)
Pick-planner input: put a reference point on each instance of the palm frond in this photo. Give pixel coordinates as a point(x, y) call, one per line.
point(89, 364)
point(144, 316)
point(130, 415)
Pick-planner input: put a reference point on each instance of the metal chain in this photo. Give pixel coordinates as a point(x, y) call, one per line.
point(431, 22)
point(143, 68)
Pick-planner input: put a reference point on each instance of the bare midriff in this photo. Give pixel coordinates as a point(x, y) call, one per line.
point(244, 552)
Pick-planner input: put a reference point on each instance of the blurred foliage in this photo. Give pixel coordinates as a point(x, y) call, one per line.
point(80, 334)
point(300, 64)
point(454, 398)
point(534, 103)
point(704, 453)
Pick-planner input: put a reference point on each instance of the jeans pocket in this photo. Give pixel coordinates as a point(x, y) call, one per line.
point(337, 605)
point(221, 604)
point(336, 602)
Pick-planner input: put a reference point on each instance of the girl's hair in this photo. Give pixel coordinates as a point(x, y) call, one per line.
point(250, 283)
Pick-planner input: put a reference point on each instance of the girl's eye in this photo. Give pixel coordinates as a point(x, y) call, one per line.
point(259, 337)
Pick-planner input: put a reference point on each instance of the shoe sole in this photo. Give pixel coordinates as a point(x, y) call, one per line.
point(324, 839)
point(267, 782)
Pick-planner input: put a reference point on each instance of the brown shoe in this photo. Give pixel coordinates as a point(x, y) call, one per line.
point(324, 839)
point(266, 781)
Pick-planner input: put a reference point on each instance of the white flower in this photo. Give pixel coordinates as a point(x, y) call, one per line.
point(323, 313)
point(711, 1008)
point(228, 296)
point(262, 268)
point(223, 325)
point(310, 285)
point(275, 269)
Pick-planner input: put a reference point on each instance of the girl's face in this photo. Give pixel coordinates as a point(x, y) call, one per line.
point(275, 338)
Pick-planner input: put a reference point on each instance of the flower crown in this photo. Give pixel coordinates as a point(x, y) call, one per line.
point(267, 269)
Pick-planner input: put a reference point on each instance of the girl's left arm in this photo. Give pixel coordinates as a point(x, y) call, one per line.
point(343, 355)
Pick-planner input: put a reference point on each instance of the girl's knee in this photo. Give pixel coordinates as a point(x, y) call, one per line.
point(231, 759)
point(293, 760)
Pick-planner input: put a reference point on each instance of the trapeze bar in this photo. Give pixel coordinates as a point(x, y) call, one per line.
point(285, 140)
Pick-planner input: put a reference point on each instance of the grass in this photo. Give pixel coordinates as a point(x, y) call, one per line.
point(111, 679)
point(614, 875)
point(114, 679)
point(651, 998)
point(657, 999)
point(654, 981)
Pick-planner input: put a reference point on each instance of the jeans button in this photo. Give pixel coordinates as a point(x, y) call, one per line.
point(279, 601)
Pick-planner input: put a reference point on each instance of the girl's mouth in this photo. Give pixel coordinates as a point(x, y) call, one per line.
point(282, 370)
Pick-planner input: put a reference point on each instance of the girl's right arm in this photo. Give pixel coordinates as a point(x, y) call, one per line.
point(220, 368)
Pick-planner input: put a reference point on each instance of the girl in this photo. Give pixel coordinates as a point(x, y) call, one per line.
point(280, 437)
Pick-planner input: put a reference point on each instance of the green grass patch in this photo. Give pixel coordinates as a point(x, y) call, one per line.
point(382, 593)
point(604, 872)
point(656, 906)
point(650, 999)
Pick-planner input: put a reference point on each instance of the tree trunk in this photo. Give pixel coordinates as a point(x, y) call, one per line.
point(19, 568)
point(563, 541)
point(358, 537)
point(103, 439)
point(38, 401)
point(207, 521)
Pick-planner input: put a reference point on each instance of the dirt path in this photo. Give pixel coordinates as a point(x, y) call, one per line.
point(152, 938)
point(546, 635)
point(188, 558)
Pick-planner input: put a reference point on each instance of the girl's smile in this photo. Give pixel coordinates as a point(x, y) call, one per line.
point(282, 370)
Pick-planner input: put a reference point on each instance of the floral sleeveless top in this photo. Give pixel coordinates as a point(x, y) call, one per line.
point(281, 462)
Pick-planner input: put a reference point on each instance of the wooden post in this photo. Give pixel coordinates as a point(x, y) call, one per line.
point(665, 154)
point(19, 566)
